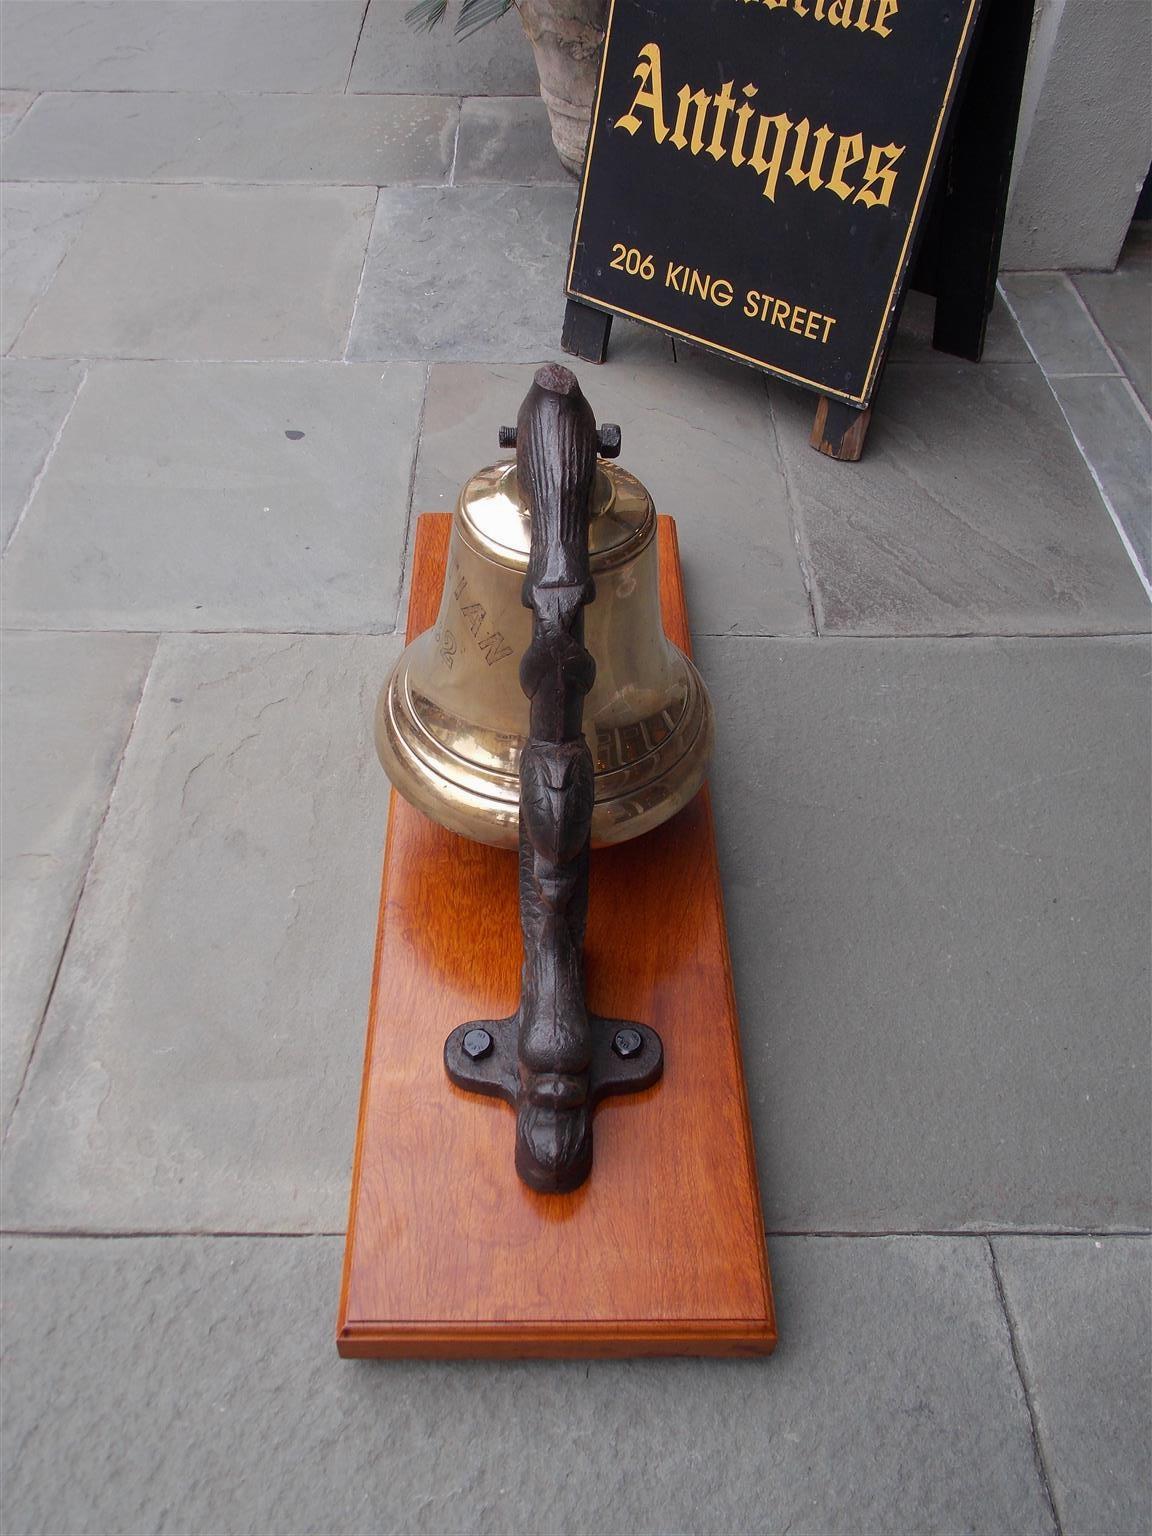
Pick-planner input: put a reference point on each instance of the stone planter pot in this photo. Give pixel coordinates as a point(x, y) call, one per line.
point(566, 37)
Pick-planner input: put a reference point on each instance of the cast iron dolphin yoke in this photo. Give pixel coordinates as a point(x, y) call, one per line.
point(552, 1059)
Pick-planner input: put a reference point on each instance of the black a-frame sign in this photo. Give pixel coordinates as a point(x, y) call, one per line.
point(766, 178)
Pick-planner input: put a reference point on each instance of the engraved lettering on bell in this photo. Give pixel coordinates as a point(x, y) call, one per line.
point(473, 616)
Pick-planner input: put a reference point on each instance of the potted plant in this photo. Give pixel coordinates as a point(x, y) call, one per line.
point(566, 36)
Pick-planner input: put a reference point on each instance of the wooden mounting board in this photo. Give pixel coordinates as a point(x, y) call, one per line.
point(448, 1253)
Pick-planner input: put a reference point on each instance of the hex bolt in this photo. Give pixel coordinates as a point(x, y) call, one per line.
point(628, 1042)
point(608, 440)
point(477, 1044)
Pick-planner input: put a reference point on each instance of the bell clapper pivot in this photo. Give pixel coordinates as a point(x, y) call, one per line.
point(553, 1059)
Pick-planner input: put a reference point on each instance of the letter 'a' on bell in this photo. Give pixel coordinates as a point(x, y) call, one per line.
point(452, 718)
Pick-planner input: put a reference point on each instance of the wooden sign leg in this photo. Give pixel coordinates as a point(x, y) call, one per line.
point(974, 196)
point(586, 331)
point(959, 256)
point(839, 430)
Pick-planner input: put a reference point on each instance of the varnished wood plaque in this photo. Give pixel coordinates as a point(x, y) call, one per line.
point(448, 1254)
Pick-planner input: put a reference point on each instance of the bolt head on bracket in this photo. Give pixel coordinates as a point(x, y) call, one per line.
point(627, 1043)
point(608, 439)
point(476, 1044)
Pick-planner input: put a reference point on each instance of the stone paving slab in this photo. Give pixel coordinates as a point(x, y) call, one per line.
point(507, 138)
point(200, 1063)
point(68, 705)
point(13, 105)
point(37, 226)
point(935, 872)
point(178, 45)
point(1121, 303)
point(176, 499)
point(207, 272)
point(971, 513)
point(1057, 325)
point(938, 918)
point(213, 136)
point(1082, 1314)
point(35, 398)
point(926, 907)
point(465, 274)
point(495, 61)
point(913, 340)
point(1116, 438)
point(192, 1385)
point(698, 433)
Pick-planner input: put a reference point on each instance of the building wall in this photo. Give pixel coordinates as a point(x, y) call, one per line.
point(1085, 135)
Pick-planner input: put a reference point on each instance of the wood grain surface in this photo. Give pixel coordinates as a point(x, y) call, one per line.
point(448, 1253)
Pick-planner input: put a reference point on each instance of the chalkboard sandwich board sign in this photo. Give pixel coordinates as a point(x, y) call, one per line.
point(757, 171)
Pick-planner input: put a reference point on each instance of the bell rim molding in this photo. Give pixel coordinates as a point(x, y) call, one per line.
point(483, 804)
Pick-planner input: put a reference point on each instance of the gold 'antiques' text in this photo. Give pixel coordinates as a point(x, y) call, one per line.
point(726, 128)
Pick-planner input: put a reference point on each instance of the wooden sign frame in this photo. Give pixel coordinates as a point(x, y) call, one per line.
point(952, 242)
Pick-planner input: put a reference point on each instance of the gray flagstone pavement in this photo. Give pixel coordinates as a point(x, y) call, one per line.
point(274, 272)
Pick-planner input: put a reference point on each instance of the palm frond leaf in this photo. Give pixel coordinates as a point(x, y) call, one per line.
point(475, 14)
point(424, 15)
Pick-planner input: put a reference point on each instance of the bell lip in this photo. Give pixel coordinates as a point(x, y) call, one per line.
point(493, 818)
point(616, 489)
point(501, 772)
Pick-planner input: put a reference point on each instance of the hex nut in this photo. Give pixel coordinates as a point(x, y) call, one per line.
point(476, 1044)
point(628, 1042)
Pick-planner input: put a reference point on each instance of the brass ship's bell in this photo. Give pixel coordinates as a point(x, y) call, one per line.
point(452, 718)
